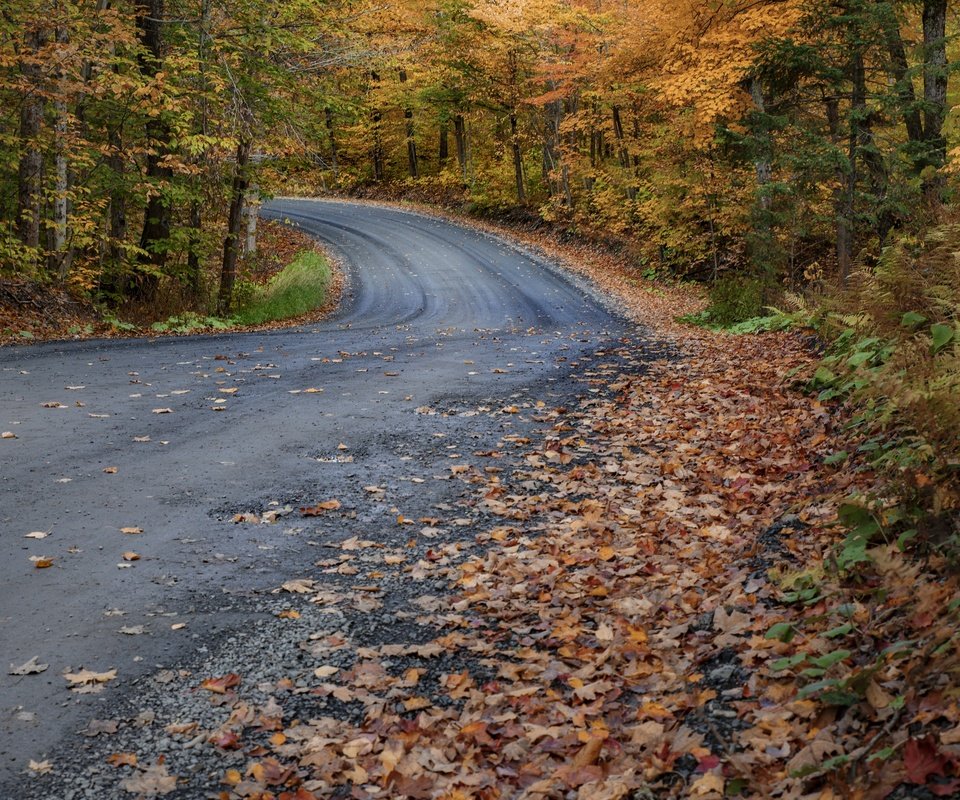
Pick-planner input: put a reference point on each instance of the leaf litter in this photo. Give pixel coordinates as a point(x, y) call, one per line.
point(617, 627)
point(629, 623)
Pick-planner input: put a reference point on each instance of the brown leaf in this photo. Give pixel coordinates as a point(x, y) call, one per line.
point(320, 508)
point(154, 780)
point(222, 684)
point(86, 677)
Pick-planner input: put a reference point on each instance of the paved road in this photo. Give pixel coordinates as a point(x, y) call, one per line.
point(435, 316)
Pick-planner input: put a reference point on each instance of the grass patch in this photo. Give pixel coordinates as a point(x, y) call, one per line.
point(775, 321)
point(302, 286)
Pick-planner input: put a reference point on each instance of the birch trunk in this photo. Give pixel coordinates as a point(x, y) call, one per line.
point(252, 212)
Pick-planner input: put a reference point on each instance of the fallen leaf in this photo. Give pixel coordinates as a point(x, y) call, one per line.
point(37, 535)
point(326, 671)
point(122, 759)
point(31, 667)
point(131, 530)
point(154, 780)
point(88, 678)
point(709, 785)
point(299, 586)
point(8, 435)
point(163, 411)
point(40, 767)
point(96, 727)
point(320, 508)
point(131, 556)
point(222, 684)
point(41, 562)
point(110, 470)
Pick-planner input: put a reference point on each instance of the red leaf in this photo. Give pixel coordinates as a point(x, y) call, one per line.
point(225, 740)
point(921, 758)
point(708, 763)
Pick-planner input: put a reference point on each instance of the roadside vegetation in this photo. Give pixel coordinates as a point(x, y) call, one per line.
point(796, 161)
point(297, 289)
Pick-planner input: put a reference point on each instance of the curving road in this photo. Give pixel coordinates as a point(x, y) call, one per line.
point(434, 315)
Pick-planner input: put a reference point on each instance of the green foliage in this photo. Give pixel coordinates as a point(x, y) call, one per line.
point(734, 298)
point(118, 324)
point(777, 321)
point(190, 322)
point(299, 288)
point(895, 356)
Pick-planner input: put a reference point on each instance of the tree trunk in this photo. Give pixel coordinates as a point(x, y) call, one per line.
point(231, 243)
point(898, 69)
point(334, 160)
point(252, 212)
point(194, 266)
point(377, 151)
point(31, 158)
point(158, 215)
point(59, 263)
point(550, 148)
point(118, 198)
point(855, 143)
point(762, 163)
point(935, 77)
point(844, 249)
point(623, 155)
point(460, 134)
point(412, 166)
point(517, 160)
point(443, 153)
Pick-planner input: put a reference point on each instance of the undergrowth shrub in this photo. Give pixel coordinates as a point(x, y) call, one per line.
point(734, 298)
point(896, 356)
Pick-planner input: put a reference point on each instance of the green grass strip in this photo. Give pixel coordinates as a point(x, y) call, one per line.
point(302, 286)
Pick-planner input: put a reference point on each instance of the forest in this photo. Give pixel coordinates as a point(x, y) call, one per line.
point(775, 143)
